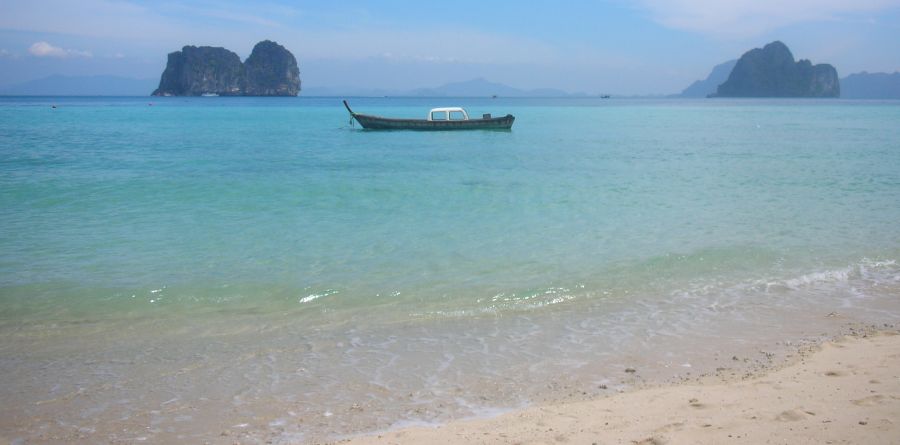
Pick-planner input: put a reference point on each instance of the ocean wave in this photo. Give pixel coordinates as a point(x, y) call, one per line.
point(869, 270)
point(715, 294)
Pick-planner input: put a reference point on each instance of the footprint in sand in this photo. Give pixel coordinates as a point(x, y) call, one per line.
point(655, 440)
point(677, 426)
point(869, 401)
point(792, 415)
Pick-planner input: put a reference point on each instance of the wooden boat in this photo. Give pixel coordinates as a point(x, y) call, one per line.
point(453, 118)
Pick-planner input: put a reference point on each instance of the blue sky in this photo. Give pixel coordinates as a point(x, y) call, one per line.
point(615, 46)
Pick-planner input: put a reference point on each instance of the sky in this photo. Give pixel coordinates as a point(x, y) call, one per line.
point(599, 46)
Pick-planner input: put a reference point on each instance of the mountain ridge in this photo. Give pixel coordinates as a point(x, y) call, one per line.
point(705, 87)
point(865, 85)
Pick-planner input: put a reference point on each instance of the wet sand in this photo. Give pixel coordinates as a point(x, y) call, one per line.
point(844, 392)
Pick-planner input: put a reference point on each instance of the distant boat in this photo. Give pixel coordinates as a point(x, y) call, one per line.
point(451, 118)
point(209, 95)
point(604, 96)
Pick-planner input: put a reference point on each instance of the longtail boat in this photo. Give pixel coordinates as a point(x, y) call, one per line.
point(452, 118)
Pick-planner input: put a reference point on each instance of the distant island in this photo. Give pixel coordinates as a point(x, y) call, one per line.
point(772, 72)
point(271, 70)
point(708, 86)
point(477, 87)
point(480, 87)
point(59, 85)
point(871, 86)
point(862, 85)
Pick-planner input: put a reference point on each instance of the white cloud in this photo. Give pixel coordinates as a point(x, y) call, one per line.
point(44, 49)
point(747, 18)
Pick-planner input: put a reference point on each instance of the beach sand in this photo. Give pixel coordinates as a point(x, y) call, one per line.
point(845, 392)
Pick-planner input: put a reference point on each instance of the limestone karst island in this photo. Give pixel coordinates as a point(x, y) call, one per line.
point(772, 72)
point(271, 70)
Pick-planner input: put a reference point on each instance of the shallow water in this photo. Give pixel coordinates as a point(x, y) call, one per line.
point(261, 269)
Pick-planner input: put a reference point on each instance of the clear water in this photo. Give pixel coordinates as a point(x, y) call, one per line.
point(260, 267)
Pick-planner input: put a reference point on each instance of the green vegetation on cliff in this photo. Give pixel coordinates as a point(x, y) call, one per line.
point(197, 70)
point(271, 70)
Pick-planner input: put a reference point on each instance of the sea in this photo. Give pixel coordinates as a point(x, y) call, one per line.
point(262, 270)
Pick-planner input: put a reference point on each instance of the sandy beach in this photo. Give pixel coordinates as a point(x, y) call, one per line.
point(847, 391)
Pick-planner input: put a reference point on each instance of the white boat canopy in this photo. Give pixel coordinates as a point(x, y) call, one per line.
point(448, 114)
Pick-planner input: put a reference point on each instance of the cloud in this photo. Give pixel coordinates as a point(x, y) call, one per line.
point(748, 18)
point(44, 49)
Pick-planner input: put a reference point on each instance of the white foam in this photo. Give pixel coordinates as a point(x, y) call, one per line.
point(313, 297)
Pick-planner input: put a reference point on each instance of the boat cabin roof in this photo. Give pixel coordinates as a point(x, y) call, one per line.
point(447, 113)
point(447, 109)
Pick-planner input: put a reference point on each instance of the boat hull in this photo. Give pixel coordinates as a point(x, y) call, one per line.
point(382, 123)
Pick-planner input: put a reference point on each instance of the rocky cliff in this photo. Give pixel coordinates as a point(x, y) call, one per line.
point(271, 70)
point(772, 72)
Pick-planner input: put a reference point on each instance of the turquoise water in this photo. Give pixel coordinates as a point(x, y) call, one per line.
point(256, 204)
point(628, 218)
